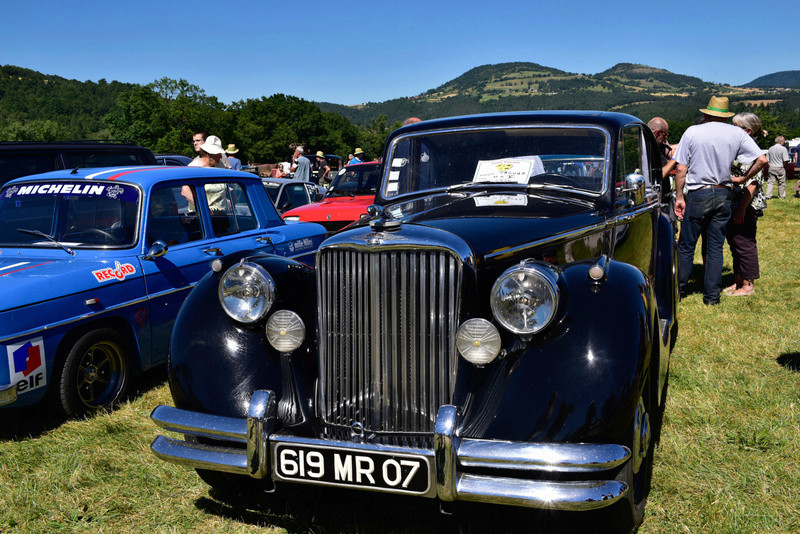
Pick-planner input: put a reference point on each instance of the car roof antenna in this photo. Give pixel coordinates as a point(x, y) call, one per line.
point(75, 170)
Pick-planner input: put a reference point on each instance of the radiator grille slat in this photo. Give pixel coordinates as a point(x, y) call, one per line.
point(387, 341)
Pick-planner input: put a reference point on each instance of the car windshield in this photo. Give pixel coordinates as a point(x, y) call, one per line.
point(69, 214)
point(355, 180)
point(565, 157)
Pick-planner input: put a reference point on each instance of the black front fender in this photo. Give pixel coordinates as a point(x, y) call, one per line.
point(216, 363)
point(580, 379)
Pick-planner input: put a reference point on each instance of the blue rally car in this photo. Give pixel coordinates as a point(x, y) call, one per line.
point(95, 263)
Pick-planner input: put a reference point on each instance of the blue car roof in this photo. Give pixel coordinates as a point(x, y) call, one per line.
point(144, 176)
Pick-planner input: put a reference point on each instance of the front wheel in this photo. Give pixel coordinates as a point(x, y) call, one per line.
point(94, 375)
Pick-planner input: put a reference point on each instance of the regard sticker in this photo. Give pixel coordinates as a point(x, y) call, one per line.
point(118, 272)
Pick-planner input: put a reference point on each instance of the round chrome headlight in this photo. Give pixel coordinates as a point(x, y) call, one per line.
point(285, 330)
point(478, 341)
point(525, 298)
point(246, 292)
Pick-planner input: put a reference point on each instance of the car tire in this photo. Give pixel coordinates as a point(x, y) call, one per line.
point(639, 481)
point(95, 374)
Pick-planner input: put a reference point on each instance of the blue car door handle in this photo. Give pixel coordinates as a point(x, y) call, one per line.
point(216, 251)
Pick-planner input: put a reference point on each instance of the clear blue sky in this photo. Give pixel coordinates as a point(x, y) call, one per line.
point(349, 52)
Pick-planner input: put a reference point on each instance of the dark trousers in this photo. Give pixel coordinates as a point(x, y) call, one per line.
point(742, 240)
point(708, 212)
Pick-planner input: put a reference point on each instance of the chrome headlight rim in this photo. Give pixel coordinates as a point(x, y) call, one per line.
point(269, 295)
point(539, 270)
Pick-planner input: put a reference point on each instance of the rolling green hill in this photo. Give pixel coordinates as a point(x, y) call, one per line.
point(637, 89)
point(786, 78)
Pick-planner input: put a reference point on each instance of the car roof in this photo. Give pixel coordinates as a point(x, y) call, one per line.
point(286, 181)
point(144, 176)
point(603, 118)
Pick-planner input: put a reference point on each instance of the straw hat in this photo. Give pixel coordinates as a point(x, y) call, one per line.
point(320, 154)
point(213, 145)
point(358, 151)
point(718, 107)
point(231, 149)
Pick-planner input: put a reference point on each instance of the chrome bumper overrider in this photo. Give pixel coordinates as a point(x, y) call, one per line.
point(452, 458)
point(8, 394)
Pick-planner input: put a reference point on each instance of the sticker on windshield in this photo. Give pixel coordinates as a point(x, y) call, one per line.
point(507, 170)
point(501, 200)
point(399, 162)
point(82, 189)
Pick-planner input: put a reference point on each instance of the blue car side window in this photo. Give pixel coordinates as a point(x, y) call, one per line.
point(171, 220)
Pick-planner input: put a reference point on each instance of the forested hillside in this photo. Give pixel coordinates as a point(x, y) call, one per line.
point(162, 115)
point(786, 78)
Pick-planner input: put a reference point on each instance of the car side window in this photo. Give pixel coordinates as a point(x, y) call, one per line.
point(298, 194)
point(230, 208)
point(172, 217)
point(632, 156)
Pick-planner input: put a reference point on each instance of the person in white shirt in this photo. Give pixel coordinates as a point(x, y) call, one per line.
point(704, 155)
point(777, 157)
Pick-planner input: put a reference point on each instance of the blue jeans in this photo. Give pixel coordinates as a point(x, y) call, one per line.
point(707, 212)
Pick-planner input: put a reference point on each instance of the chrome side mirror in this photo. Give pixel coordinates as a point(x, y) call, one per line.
point(156, 250)
point(634, 189)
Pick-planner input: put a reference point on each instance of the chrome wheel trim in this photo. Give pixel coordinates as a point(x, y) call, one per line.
point(641, 436)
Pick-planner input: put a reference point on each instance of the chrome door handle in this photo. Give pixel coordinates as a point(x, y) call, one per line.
point(264, 239)
point(213, 250)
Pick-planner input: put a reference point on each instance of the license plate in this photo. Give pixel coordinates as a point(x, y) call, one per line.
point(333, 466)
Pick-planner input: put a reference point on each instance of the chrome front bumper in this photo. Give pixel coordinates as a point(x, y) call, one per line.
point(452, 458)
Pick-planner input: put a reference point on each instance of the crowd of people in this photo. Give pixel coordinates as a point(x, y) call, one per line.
point(210, 153)
point(719, 173)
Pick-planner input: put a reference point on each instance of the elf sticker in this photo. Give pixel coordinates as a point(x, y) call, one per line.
point(26, 365)
point(119, 272)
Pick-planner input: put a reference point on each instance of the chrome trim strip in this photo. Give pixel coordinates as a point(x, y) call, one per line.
point(571, 496)
point(623, 218)
point(261, 417)
point(200, 456)
point(558, 457)
point(32, 331)
point(200, 424)
point(572, 234)
point(444, 445)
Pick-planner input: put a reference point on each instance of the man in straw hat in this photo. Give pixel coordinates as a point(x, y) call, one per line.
point(356, 159)
point(705, 154)
point(236, 163)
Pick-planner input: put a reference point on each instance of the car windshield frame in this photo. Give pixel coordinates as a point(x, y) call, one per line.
point(61, 223)
point(395, 162)
point(363, 169)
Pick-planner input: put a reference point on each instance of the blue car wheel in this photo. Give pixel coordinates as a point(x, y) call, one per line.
point(95, 373)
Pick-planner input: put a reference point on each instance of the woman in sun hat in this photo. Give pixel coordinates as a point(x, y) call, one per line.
point(211, 154)
point(236, 163)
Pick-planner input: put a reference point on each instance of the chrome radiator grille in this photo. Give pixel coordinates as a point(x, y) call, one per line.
point(387, 336)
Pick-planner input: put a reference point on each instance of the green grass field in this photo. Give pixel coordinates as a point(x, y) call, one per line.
point(728, 460)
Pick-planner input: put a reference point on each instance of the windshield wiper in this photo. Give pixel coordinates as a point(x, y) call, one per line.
point(39, 233)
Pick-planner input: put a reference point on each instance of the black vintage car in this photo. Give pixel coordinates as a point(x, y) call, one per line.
point(498, 330)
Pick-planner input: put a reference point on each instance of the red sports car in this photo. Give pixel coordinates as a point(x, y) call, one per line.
point(347, 199)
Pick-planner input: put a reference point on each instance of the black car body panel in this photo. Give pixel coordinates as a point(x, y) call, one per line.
point(393, 296)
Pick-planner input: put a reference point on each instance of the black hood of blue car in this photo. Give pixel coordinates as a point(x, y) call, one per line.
point(494, 221)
